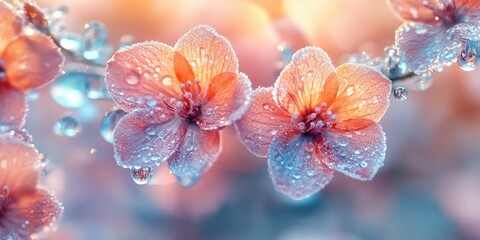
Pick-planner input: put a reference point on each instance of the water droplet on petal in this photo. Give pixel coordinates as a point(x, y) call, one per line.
point(141, 176)
point(167, 81)
point(400, 93)
point(363, 164)
point(350, 90)
point(187, 181)
point(109, 123)
point(467, 59)
point(132, 79)
point(67, 126)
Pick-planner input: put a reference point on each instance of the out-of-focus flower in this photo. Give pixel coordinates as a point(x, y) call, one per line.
point(437, 32)
point(25, 209)
point(317, 119)
point(177, 98)
point(27, 61)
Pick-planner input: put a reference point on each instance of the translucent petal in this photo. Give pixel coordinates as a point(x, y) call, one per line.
point(138, 142)
point(430, 48)
point(141, 72)
point(10, 25)
point(18, 165)
point(227, 99)
point(13, 106)
point(32, 61)
point(363, 93)
point(32, 213)
point(208, 53)
point(197, 152)
point(306, 82)
point(262, 121)
point(412, 10)
point(294, 167)
point(358, 154)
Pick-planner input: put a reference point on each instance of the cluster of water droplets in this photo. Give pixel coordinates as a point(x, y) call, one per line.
point(468, 60)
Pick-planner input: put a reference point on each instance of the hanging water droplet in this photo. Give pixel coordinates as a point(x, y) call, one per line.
point(400, 93)
point(187, 181)
point(95, 43)
point(467, 59)
point(67, 126)
point(109, 123)
point(69, 90)
point(71, 42)
point(95, 87)
point(141, 176)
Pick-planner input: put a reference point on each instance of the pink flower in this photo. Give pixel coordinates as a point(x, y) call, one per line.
point(315, 120)
point(27, 61)
point(436, 32)
point(177, 98)
point(25, 209)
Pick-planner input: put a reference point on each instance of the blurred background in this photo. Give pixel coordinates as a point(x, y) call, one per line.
point(429, 187)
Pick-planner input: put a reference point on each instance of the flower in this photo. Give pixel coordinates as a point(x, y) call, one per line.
point(25, 209)
point(437, 32)
point(177, 98)
point(27, 61)
point(315, 120)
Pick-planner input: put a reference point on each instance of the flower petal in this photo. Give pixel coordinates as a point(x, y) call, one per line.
point(137, 75)
point(363, 93)
point(18, 165)
point(197, 153)
point(306, 82)
point(426, 47)
point(262, 121)
point(227, 99)
point(13, 106)
point(358, 154)
point(412, 10)
point(32, 213)
point(208, 53)
point(32, 61)
point(10, 25)
point(294, 166)
point(139, 142)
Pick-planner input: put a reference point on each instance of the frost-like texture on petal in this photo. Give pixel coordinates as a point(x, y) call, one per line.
point(262, 121)
point(306, 82)
point(32, 61)
point(17, 165)
point(137, 75)
point(32, 213)
point(208, 53)
point(425, 47)
point(294, 166)
point(363, 93)
point(197, 153)
point(358, 154)
point(227, 99)
point(139, 142)
point(13, 106)
point(412, 10)
point(10, 25)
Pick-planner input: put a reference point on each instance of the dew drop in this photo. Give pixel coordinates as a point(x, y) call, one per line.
point(467, 59)
point(363, 164)
point(67, 126)
point(132, 79)
point(187, 181)
point(266, 106)
point(350, 90)
point(141, 176)
point(109, 122)
point(167, 81)
point(94, 41)
point(69, 90)
point(400, 93)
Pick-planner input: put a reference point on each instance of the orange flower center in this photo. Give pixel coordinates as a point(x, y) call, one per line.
point(316, 122)
point(185, 105)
